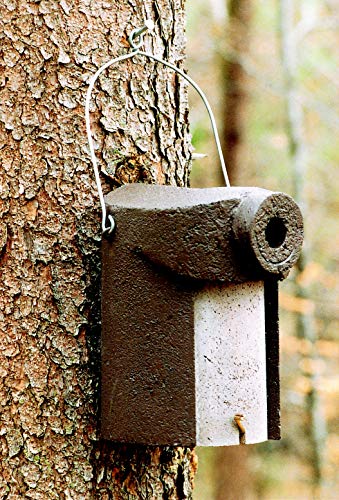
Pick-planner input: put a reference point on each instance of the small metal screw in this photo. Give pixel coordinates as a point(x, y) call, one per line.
point(138, 32)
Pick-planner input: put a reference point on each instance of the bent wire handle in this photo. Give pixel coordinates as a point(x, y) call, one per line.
point(137, 52)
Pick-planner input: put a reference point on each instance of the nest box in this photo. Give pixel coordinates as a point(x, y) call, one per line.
point(190, 313)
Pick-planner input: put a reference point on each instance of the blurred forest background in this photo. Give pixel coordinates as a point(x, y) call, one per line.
point(270, 70)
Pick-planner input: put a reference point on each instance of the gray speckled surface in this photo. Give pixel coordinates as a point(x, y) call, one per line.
point(152, 196)
point(230, 363)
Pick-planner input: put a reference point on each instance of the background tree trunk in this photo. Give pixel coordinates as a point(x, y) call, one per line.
point(315, 432)
point(50, 235)
point(233, 477)
point(238, 36)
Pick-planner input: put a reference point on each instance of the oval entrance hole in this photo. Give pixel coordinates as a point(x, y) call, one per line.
point(275, 232)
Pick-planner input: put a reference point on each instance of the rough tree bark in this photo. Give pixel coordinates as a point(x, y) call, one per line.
point(50, 235)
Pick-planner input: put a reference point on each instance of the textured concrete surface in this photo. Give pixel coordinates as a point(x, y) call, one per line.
point(230, 363)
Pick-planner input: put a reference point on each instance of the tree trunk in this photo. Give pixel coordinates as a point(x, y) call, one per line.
point(233, 75)
point(315, 429)
point(233, 478)
point(50, 235)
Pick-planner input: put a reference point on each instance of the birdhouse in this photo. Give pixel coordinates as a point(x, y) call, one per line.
point(190, 346)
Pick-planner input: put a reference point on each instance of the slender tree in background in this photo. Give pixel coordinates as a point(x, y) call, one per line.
point(315, 430)
point(234, 97)
point(232, 476)
point(50, 235)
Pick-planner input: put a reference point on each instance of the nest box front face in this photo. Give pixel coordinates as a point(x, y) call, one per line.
point(190, 314)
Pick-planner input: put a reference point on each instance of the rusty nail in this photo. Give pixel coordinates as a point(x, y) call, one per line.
point(238, 419)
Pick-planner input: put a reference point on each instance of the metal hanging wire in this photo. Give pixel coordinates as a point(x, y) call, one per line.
point(138, 33)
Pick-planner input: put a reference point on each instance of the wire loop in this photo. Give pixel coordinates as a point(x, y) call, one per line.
point(131, 38)
point(136, 33)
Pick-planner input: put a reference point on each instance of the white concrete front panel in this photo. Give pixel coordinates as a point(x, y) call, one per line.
point(230, 363)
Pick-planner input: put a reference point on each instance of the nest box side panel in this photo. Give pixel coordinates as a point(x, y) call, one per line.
point(230, 359)
point(148, 384)
point(272, 358)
